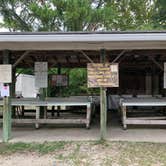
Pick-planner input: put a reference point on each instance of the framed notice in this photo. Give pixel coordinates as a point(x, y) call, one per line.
point(41, 74)
point(5, 73)
point(59, 80)
point(103, 75)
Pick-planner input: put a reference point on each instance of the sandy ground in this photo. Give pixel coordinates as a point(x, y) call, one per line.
point(27, 159)
point(92, 154)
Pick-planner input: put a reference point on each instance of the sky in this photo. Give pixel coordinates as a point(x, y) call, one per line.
point(3, 29)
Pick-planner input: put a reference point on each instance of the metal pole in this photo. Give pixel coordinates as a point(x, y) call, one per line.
point(103, 104)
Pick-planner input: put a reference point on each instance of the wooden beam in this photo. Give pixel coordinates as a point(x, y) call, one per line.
point(55, 62)
point(122, 53)
point(86, 56)
point(21, 58)
point(156, 63)
point(103, 104)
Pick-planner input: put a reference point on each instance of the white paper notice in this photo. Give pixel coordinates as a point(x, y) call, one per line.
point(41, 74)
point(5, 91)
point(5, 73)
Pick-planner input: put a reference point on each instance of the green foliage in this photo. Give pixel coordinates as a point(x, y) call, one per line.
point(77, 84)
point(84, 15)
point(159, 15)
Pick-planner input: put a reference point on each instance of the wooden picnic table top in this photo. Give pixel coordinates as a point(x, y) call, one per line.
point(49, 102)
point(151, 101)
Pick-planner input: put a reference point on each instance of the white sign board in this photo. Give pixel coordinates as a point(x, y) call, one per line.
point(5, 73)
point(164, 75)
point(41, 74)
point(5, 92)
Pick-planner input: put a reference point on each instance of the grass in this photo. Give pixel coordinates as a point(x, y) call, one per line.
point(43, 148)
point(104, 153)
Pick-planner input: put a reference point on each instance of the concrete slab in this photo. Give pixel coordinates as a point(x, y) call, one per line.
point(114, 133)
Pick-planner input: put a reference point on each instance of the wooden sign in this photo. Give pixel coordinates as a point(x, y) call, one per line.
point(103, 75)
point(59, 80)
point(41, 74)
point(5, 73)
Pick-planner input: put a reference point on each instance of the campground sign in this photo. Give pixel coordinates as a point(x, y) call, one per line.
point(103, 75)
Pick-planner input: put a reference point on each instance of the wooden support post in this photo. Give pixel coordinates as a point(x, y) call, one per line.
point(103, 113)
point(37, 117)
point(12, 90)
point(41, 97)
point(6, 107)
point(88, 116)
point(124, 117)
point(59, 108)
point(103, 104)
point(6, 119)
point(148, 84)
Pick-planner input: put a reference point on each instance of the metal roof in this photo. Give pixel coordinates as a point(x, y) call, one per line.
point(82, 40)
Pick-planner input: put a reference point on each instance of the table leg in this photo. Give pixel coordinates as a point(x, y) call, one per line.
point(88, 116)
point(45, 112)
point(58, 111)
point(22, 111)
point(124, 117)
point(37, 117)
point(52, 111)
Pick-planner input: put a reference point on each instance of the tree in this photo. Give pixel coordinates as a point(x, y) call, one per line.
point(159, 16)
point(131, 14)
point(75, 15)
point(52, 15)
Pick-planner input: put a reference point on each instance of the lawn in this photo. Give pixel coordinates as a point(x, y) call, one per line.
point(89, 153)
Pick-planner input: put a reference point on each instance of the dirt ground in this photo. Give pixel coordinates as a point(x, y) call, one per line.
point(91, 154)
point(27, 159)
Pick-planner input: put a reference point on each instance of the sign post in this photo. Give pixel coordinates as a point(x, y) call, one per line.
point(6, 77)
point(103, 103)
point(41, 81)
point(103, 75)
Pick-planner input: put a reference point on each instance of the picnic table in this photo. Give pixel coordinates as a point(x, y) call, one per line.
point(36, 103)
point(125, 103)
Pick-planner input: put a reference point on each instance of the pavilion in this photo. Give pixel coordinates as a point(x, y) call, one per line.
point(141, 55)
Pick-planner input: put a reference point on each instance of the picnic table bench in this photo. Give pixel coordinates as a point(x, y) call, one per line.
point(71, 101)
point(142, 102)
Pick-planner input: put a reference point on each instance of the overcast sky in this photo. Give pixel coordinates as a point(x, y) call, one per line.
point(2, 29)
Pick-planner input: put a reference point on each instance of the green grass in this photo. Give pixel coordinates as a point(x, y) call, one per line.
point(43, 148)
